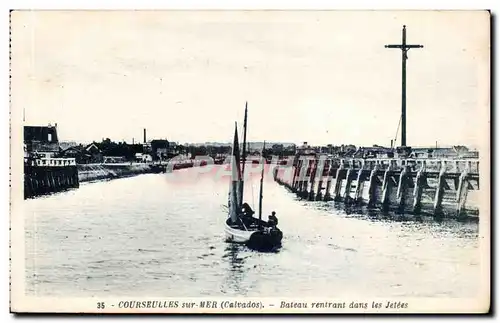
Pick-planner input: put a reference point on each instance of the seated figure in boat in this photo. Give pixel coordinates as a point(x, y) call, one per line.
point(272, 219)
point(247, 210)
point(247, 215)
point(272, 222)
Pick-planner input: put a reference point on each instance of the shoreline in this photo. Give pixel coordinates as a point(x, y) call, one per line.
point(98, 172)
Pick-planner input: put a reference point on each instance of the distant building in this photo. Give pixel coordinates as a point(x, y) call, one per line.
point(374, 152)
point(146, 147)
point(143, 158)
point(452, 152)
point(63, 145)
point(90, 154)
point(41, 141)
point(305, 149)
point(422, 153)
point(73, 152)
point(160, 149)
point(93, 153)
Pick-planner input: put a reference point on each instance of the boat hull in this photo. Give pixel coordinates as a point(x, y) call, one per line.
point(265, 240)
point(237, 235)
point(258, 239)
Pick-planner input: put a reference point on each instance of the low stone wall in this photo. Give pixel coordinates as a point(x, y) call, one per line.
point(87, 173)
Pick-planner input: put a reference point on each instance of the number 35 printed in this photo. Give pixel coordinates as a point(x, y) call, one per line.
point(100, 305)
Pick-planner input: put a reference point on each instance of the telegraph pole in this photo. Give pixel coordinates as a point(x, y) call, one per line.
point(404, 49)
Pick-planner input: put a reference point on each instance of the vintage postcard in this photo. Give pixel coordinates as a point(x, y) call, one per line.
point(250, 161)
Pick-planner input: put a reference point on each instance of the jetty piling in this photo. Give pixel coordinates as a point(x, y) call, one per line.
point(338, 181)
point(431, 186)
point(329, 177)
point(462, 190)
point(372, 186)
point(420, 183)
point(312, 179)
point(48, 176)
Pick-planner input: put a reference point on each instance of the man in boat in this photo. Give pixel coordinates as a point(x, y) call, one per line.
point(247, 210)
point(272, 220)
point(247, 214)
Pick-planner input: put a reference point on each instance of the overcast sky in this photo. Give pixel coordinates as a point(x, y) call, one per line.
point(317, 76)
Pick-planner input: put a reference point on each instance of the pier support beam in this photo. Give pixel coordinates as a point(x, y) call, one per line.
point(420, 182)
point(348, 181)
point(312, 179)
point(402, 187)
point(386, 188)
point(305, 172)
point(329, 174)
point(296, 175)
point(463, 188)
point(438, 198)
point(372, 186)
point(320, 173)
point(300, 174)
point(338, 182)
point(359, 186)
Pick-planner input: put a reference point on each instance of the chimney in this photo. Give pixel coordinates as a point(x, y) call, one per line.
point(391, 143)
point(144, 135)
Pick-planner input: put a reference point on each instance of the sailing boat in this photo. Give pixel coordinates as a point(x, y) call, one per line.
point(241, 227)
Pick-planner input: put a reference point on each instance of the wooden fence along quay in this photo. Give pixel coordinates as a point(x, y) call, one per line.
point(431, 186)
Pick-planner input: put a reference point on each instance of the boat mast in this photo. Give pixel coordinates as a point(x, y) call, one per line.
point(244, 157)
point(261, 183)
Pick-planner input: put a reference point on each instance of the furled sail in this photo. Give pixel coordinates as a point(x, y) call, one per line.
point(235, 199)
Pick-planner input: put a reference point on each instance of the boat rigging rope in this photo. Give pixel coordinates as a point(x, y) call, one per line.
point(253, 199)
point(397, 130)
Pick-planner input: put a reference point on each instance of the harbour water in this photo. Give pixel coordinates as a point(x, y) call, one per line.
point(162, 235)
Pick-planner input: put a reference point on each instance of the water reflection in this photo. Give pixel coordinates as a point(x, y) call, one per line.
point(232, 252)
point(236, 270)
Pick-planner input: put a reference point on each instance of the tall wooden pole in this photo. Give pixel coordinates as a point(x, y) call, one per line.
point(244, 157)
point(404, 56)
point(263, 161)
point(244, 154)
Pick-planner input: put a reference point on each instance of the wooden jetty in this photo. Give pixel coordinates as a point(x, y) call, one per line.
point(49, 175)
point(436, 186)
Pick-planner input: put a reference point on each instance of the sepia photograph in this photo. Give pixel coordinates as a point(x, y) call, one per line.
point(250, 161)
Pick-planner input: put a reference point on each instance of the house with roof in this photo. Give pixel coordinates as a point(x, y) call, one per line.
point(41, 141)
point(90, 154)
